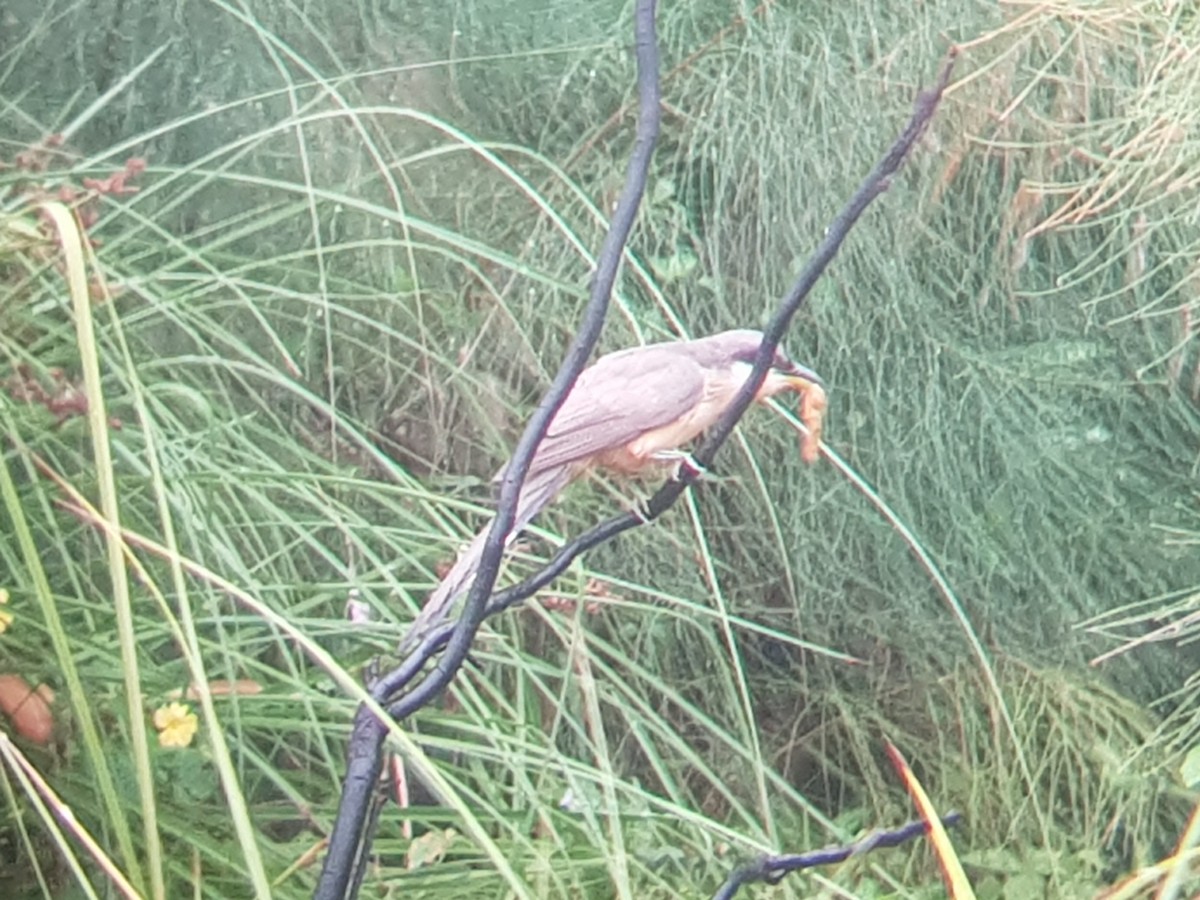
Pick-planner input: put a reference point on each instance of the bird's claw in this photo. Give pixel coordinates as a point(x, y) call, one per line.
point(689, 466)
point(641, 512)
point(685, 464)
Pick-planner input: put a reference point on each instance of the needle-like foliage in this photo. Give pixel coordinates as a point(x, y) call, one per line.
point(357, 251)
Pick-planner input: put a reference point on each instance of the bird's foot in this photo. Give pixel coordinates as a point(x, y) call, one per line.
point(641, 512)
point(685, 464)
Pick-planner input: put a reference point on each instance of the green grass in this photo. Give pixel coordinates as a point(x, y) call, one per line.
point(357, 254)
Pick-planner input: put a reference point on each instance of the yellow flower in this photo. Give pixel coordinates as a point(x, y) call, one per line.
point(176, 724)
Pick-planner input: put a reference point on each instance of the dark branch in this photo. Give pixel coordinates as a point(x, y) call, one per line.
point(875, 183)
point(351, 836)
point(580, 351)
point(771, 869)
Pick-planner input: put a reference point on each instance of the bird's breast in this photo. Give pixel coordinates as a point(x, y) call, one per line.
point(719, 390)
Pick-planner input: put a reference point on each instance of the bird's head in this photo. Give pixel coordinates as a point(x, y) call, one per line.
point(785, 374)
point(741, 349)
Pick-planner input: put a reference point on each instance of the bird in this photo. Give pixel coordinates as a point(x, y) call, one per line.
point(629, 411)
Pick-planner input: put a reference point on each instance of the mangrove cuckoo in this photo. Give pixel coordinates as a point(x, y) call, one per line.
point(628, 411)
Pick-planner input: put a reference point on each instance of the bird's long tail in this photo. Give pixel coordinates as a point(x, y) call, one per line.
point(539, 489)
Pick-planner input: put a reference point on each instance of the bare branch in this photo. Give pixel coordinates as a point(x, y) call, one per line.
point(771, 869)
point(351, 837)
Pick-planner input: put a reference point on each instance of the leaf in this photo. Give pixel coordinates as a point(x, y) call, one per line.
point(429, 848)
point(1025, 884)
point(675, 267)
point(663, 190)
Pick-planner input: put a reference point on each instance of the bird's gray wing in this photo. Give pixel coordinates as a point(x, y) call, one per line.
point(619, 398)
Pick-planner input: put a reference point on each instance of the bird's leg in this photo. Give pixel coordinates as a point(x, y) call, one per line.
point(684, 463)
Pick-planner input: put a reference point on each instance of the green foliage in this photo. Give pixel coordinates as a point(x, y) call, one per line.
point(359, 249)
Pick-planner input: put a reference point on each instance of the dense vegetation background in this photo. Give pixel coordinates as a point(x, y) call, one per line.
point(359, 247)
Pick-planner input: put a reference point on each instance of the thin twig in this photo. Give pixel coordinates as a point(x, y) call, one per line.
point(771, 869)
